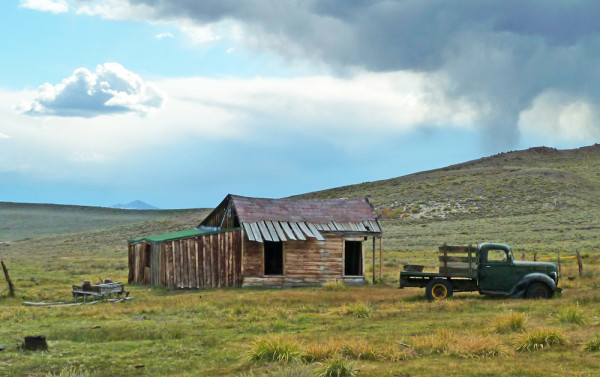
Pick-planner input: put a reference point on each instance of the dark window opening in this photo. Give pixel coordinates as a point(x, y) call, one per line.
point(273, 258)
point(147, 256)
point(353, 258)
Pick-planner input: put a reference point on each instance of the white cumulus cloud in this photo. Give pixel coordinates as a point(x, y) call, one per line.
point(164, 35)
point(4, 136)
point(111, 89)
point(53, 6)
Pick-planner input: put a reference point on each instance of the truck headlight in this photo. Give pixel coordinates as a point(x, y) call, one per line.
point(554, 276)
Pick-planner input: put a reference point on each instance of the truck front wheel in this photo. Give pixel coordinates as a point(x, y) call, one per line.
point(438, 289)
point(537, 290)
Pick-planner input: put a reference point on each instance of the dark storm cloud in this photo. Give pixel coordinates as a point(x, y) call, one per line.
point(498, 54)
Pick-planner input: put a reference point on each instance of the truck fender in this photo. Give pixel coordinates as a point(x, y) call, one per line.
point(519, 289)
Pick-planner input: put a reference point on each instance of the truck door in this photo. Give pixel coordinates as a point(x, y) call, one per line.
point(496, 270)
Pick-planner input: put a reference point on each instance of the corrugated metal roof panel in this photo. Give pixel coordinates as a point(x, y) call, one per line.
point(288, 231)
point(256, 232)
point(248, 230)
point(264, 231)
point(305, 229)
point(297, 231)
point(315, 232)
point(280, 232)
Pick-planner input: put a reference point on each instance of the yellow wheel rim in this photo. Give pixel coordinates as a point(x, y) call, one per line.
point(439, 291)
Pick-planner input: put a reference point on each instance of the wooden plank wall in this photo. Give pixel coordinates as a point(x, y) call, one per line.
point(138, 272)
point(307, 262)
point(214, 260)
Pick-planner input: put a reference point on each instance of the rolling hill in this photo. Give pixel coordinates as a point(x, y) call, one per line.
point(25, 221)
point(539, 198)
point(535, 199)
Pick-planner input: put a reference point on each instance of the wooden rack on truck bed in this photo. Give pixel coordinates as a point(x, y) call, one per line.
point(462, 261)
point(457, 264)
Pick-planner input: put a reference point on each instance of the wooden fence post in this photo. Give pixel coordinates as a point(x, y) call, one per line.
point(523, 256)
point(559, 267)
point(535, 256)
point(579, 262)
point(380, 259)
point(373, 260)
point(11, 287)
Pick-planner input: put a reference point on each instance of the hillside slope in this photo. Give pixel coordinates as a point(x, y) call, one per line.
point(539, 198)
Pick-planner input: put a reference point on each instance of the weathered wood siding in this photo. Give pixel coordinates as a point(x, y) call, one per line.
point(222, 217)
point(308, 262)
point(138, 272)
point(213, 260)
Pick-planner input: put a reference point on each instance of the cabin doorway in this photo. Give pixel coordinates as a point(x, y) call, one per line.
point(273, 258)
point(353, 258)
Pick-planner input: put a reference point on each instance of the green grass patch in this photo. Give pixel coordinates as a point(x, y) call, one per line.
point(279, 348)
point(337, 285)
point(592, 345)
point(337, 366)
point(511, 322)
point(570, 314)
point(539, 339)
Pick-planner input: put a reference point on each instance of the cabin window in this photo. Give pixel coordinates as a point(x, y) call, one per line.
point(353, 258)
point(273, 258)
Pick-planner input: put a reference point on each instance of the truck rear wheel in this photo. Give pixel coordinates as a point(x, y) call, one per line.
point(439, 289)
point(537, 290)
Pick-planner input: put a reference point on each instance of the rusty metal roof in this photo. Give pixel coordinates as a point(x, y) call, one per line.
point(351, 210)
point(299, 219)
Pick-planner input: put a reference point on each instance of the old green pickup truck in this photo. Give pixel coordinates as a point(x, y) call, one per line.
point(488, 268)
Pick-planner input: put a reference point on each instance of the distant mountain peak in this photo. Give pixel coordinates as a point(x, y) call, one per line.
point(136, 204)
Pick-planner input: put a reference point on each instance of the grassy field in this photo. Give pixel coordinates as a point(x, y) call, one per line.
point(374, 330)
point(381, 330)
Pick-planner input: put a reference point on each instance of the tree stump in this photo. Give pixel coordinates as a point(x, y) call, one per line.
point(35, 343)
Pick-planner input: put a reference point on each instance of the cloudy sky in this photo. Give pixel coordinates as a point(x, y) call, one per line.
point(178, 103)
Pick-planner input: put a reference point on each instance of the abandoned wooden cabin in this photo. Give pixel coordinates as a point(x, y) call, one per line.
point(262, 242)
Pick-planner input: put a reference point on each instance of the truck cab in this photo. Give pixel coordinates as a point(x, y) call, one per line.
point(499, 273)
point(489, 268)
